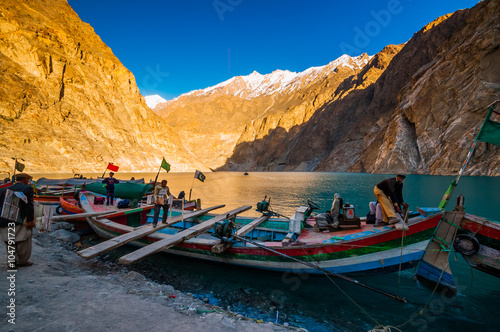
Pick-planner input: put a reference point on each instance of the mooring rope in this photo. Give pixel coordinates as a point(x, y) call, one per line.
point(400, 261)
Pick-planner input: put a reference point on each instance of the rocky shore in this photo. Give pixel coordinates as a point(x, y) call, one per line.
point(63, 292)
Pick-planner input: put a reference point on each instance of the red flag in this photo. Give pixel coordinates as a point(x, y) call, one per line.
point(112, 167)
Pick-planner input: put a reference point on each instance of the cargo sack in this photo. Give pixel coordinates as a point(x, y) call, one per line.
point(370, 218)
point(124, 203)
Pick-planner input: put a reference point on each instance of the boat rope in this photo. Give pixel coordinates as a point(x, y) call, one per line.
point(328, 274)
point(322, 270)
point(403, 234)
point(421, 312)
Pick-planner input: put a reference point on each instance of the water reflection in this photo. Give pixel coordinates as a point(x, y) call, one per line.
point(315, 303)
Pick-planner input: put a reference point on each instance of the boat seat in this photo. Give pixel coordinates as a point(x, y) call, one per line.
point(321, 224)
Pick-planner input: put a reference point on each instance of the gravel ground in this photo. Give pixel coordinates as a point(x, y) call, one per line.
point(63, 292)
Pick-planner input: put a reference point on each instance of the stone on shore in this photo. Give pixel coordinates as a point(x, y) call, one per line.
point(64, 235)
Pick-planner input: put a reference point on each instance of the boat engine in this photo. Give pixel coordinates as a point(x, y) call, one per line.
point(224, 230)
point(263, 206)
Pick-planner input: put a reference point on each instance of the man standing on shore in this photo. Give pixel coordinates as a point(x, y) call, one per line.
point(161, 193)
point(389, 194)
point(23, 221)
point(110, 188)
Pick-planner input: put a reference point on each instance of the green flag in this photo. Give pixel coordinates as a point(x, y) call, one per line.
point(19, 166)
point(165, 165)
point(199, 175)
point(490, 132)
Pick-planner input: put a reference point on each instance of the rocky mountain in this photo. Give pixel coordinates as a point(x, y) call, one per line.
point(415, 108)
point(213, 120)
point(68, 104)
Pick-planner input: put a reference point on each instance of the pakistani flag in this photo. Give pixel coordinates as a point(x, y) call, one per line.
point(490, 131)
point(19, 166)
point(199, 175)
point(165, 165)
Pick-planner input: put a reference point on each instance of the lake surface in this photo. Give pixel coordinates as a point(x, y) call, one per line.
point(317, 303)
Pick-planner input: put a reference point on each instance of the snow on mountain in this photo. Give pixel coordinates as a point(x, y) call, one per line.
point(154, 100)
point(279, 81)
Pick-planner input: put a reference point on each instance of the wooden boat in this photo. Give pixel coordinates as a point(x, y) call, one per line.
point(478, 240)
point(69, 207)
point(350, 250)
point(52, 198)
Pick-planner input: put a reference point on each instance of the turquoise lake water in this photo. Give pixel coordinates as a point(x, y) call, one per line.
point(316, 303)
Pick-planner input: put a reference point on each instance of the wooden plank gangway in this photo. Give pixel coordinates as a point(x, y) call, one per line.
point(434, 265)
point(137, 233)
point(179, 237)
point(82, 215)
point(221, 247)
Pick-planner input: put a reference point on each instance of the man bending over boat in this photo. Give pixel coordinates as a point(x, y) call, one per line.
point(161, 194)
point(389, 194)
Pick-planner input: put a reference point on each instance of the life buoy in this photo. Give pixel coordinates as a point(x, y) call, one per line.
point(59, 210)
point(466, 244)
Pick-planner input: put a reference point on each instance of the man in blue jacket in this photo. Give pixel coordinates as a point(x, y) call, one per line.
point(16, 229)
point(110, 188)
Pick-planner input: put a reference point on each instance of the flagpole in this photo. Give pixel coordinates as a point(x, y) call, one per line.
point(105, 171)
point(454, 183)
point(15, 164)
point(190, 190)
point(159, 169)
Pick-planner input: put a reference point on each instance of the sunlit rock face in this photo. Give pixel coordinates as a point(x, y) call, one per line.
point(415, 108)
point(68, 104)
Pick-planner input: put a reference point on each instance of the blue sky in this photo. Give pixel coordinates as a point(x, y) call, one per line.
point(174, 47)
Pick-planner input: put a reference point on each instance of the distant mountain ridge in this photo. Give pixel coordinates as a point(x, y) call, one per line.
point(67, 104)
point(279, 81)
point(212, 120)
point(413, 108)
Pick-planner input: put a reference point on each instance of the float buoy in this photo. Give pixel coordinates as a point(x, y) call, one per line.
point(466, 244)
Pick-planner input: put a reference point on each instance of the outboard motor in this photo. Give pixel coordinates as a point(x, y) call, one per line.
point(224, 230)
point(263, 206)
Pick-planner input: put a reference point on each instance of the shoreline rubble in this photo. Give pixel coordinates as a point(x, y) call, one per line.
point(63, 292)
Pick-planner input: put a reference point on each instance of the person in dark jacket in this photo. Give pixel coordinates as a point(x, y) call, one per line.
point(389, 194)
point(18, 242)
point(110, 188)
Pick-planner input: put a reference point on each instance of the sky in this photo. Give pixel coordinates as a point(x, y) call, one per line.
point(174, 47)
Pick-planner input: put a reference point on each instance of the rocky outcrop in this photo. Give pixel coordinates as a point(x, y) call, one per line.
point(440, 105)
point(67, 104)
point(415, 108)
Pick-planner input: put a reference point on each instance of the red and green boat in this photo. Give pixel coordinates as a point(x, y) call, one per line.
point(274, 244)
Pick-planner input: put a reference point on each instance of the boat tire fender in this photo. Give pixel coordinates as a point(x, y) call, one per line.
point(59, 209)
point(466, 244)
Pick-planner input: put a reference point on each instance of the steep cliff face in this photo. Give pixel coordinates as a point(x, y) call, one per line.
point(417, 109)
point(440, 106)
point(67, 103)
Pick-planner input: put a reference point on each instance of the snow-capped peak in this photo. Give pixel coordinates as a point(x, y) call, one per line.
point(255, 84)
point(154, 100)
